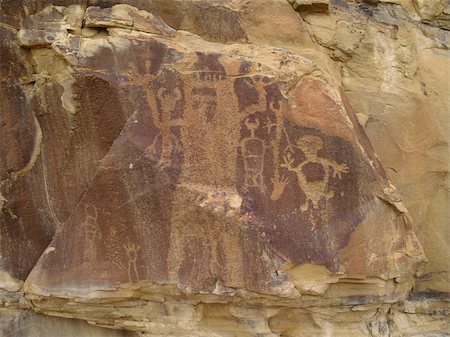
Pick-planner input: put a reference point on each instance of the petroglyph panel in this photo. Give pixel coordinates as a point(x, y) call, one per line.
point(216, 178)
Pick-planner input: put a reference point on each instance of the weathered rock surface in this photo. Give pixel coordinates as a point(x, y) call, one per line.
point(395, 73)
point(29, 324)
point(180, 168)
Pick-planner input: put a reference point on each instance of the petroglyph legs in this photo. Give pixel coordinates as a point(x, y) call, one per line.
point(253, 151)
point(131, 252)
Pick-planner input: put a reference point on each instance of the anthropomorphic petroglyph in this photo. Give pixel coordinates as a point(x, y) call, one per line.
point(90, 226)
point(315, 189)
point(205, 102)
point(164, 120)
point(200, 250)
point(130, 251)
point(266, 131)
point(253, 150)
point(90, 230)
point(259, 83)
point(279, 181)
point(210, 135)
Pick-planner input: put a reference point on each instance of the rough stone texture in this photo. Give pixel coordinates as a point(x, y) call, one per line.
point(434, 12)
point(310, 5)
point(402, 97)
point(29, 324)
point(182, 168)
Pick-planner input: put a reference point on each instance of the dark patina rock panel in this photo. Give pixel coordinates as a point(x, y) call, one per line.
point(216, 178)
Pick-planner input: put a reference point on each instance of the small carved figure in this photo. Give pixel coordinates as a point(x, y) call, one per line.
point(164, 122)
point(205, 101)
point(317, 189)
point(91, 228)
point(279, 182)
point(253, 151)
point(131, 251)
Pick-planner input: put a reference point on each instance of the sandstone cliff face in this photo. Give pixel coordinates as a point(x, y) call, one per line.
point(401, 98)
point(196, 168)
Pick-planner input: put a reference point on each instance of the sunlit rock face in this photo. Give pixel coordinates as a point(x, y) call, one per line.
point(193, 175)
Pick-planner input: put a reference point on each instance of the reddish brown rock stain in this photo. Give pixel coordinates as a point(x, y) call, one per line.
point(203, 131)
point(313, 172)
point(293, 179)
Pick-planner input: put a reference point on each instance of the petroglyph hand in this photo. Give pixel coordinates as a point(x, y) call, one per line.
point(338, 170)
point(278, 187)
point(288, 159)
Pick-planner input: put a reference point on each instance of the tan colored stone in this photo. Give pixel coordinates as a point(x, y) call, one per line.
point(310, 5)
point(435, 11)
point(28, 324)
point(125, 16)
point(164, 232)
point(398, 78)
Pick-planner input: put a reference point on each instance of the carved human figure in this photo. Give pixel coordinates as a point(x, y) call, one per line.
point(91, 228)
point(164, 121)
point(314, 189)
point(253, 151)
point(279, 182)
point(205, 101)
point(131, 251)
point(209, 137)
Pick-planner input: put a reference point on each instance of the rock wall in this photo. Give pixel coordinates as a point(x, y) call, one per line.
point(395, 73)
point(224, 168)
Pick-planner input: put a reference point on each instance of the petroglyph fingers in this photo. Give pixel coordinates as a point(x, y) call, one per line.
point(338, 169)
point(344, 168)
point(280, 181)
point(278, 187)
point(288, 159)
